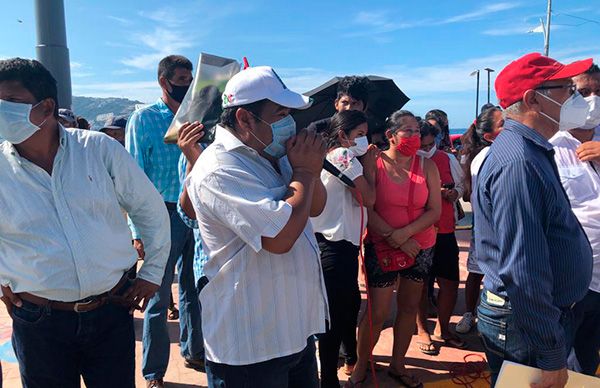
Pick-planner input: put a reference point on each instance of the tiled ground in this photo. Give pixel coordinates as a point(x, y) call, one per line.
point(432, 370)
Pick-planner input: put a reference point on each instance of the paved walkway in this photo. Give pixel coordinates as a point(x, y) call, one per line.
point(432, 370)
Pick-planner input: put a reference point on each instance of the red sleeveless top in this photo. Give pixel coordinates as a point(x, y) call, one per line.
point(446, 223)
point(391, 203)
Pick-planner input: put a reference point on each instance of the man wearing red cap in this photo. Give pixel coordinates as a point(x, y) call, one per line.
point(534, 253)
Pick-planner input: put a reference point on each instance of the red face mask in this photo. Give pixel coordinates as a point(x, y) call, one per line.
point(408, 146)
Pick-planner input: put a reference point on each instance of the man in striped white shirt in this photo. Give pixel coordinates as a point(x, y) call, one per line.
point(576, 156)
point(253, 191)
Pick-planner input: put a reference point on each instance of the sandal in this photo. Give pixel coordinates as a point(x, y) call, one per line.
point(405, 379)
point(428, 348)
point(352, 384)
point(453, 341)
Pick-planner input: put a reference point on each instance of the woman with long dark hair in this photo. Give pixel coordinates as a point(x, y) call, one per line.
point(338, 231)
point(400, 227)
point(476, 142)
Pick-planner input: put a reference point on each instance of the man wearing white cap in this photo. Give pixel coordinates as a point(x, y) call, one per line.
point(253, 191)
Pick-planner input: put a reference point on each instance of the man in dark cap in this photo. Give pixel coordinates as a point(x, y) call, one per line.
point(115, 128)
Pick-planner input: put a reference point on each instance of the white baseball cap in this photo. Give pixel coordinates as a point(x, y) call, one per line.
point(258, 83)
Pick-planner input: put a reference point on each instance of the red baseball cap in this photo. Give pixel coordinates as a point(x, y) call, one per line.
point(529, 72)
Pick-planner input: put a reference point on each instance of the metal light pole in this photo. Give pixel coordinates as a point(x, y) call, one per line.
point(51, 48)
point(547, 29)
point(488, 79)
point(476, 72)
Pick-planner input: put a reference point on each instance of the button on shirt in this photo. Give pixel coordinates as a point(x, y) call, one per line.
point(529, 243)
point(581, 181)
point(257, 305)
point(63, 236)
point(144, 139)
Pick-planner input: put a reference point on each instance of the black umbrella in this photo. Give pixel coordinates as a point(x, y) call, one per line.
point(385, 97)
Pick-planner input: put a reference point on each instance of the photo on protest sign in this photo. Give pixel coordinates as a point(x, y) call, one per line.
point(203, 99)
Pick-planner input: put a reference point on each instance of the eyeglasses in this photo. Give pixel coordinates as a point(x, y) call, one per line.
point(572, 88)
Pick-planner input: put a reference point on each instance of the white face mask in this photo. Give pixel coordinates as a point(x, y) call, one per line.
point(427, 154)
point(593, 118)
point(573, 112)
point(361, 146)
point(15, 125)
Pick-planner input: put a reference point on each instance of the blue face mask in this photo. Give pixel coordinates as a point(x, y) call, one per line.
point(282, 131)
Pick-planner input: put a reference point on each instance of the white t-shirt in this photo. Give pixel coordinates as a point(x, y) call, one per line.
point(476, 164)
point(340, 220)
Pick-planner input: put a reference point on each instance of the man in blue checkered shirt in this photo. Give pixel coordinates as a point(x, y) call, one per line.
point(144, 140)
point(189, 135)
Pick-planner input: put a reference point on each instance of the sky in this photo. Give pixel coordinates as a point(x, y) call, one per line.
point(428, 47)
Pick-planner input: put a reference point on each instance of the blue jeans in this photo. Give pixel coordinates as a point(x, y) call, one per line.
point(587, 336)
point(54, 348)
point(295, 371)
point(502, 338)
point(155, 339)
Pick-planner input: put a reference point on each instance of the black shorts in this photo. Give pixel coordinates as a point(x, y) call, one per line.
point(445, 257)
point(377, 278)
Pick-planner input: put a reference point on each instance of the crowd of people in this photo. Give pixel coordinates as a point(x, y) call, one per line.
point(268, 246)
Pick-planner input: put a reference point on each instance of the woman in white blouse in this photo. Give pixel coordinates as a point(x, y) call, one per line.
point(338, 231)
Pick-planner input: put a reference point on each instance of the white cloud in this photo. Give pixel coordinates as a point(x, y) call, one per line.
point(170, 32)
point(121, 20)
point(145, 91)
point(384, 21)
point(480, 13)
point(123, 72)
point(161, 42)
point(380, 22)
point(79, 70)
point(165, 16)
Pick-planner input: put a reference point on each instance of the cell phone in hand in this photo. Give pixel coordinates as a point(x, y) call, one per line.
point(448, 186)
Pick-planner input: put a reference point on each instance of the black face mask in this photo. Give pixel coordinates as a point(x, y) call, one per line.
point(178, 92)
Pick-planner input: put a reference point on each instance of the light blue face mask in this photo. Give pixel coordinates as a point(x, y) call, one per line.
point(282, 131)
point(15, 125)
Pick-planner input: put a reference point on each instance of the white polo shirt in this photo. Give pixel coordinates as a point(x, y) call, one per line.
point(257, 305)
point(581, 181)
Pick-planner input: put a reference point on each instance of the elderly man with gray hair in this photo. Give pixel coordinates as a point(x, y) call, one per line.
point(534, 253)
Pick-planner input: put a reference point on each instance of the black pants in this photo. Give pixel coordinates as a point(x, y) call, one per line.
point(339, 261)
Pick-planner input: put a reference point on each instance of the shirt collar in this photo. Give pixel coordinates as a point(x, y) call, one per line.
point(62, 136)
point(566, 134)
point(527, 133)
point(163, 107)
point(228, 139)
point(10, 149)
